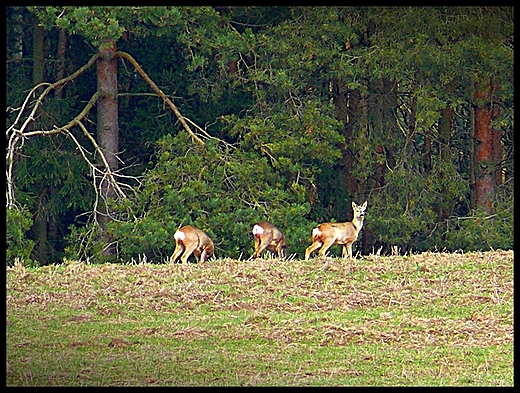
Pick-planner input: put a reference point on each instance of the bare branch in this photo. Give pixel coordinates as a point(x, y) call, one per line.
point(50, 87)
point(160, 93)
point(17, 132)
point(16, 137)
point(24, 105)
point(70, 124)
point(207, 135)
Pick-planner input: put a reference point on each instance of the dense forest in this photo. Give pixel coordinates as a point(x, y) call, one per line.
point(125, 123)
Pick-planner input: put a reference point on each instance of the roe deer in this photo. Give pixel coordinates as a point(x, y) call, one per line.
point(344, 233)
point(192, 241)
point(270, 237)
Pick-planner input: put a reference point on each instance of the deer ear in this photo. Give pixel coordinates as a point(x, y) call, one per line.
point(364, 205)
point(353, 205)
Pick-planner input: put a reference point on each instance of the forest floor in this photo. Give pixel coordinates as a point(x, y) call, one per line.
point(429, 319)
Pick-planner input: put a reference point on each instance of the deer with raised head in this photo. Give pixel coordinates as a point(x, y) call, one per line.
point(268, 236)
point(344, 233)
point(190, 240)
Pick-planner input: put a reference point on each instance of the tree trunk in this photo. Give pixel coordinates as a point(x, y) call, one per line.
point(382, 109)
point(382, 131)
point(347, 112)
point(496, 149)
point(62, 48)
point(38, 54)
point(39, 229)
point(487, 150)
point(107, 131)
point(445, 203)
point(354, 107)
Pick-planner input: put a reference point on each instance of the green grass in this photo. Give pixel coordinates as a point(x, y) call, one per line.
point(430, 319)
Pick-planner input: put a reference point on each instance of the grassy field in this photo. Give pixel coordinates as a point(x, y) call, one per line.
point(427, 319)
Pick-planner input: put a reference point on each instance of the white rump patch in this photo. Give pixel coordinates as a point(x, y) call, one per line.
point(316, 232)
point(258, 230)
point(179, 235)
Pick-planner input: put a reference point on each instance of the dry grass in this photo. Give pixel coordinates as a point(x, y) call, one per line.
point(426, 319)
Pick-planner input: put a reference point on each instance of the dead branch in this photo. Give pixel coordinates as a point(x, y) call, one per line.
point(16, 141)
point(16, 137)
point(70, 124)
point(107, 173)
point(50, 87)
point(160, 93)
point(207, 135)
point(17, 132)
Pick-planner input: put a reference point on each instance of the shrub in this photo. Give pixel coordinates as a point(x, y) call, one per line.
point(18, 246)
point(221, 192)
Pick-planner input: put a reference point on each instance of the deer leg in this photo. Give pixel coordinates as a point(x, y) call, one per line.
point(179, 248)
point(259, 247)
point(349, 250)
point(187, 252)
point(279, 250)
point(325, 247)
point(257, 243)
point(344, 252)
point(313, 247)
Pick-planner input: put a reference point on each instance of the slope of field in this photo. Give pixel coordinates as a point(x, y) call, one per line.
point(427, 319)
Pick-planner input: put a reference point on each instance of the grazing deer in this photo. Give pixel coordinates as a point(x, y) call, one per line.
point(270, 237)
point(345, 233)
point(190, 240)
